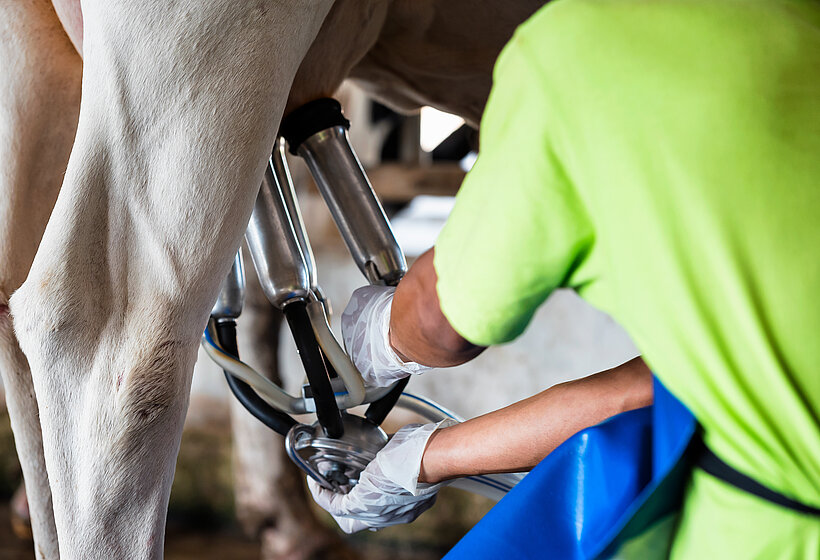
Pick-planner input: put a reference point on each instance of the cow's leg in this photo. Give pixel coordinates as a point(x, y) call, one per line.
point(181, 102)
point(39, 104)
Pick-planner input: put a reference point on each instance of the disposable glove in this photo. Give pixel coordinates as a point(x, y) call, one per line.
point(388, 492)
point(366, 329)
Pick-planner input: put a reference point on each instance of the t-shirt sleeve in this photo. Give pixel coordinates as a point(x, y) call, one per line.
point(518, 229)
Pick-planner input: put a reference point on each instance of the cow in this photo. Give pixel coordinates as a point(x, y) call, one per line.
point(134, 137)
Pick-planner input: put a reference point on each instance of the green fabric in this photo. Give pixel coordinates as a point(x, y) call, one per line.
point(752, 528)
point(662, 158)
point(652, 543)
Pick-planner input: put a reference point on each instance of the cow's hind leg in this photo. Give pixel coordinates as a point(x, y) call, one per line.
point(181, 102)
point(39, 104)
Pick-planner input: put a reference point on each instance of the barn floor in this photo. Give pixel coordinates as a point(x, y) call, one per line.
point(180, 546)
point(199, 545)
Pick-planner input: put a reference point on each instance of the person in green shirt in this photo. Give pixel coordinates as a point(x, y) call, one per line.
point(662, 159)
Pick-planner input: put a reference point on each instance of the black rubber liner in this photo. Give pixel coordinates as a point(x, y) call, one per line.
point(276, 420)
point(326, 409)
point(310, 118)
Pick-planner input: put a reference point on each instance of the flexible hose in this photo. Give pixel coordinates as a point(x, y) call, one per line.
point(379, 410)
point(327, 411)
point(274, 419)
point(336, 357)
point(269, 391)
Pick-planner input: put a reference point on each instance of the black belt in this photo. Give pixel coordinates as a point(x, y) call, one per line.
point(714, 465)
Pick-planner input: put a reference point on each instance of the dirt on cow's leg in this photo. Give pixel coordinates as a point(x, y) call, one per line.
point(271, 500)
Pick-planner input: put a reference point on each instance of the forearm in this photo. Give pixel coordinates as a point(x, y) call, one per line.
point(518, 437)
point(419, 331)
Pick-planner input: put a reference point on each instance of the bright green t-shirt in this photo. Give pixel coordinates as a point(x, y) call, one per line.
point(662, 158)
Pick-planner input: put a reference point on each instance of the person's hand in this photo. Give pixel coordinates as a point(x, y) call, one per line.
point(388, 491)
point(366, 330)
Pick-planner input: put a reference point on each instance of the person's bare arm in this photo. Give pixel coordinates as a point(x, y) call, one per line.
point(419, 331)
point(517, 437)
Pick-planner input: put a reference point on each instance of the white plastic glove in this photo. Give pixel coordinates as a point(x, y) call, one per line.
point(366, 330)
point(388, 492)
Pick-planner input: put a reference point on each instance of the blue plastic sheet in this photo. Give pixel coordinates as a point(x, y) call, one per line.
point(603, 487)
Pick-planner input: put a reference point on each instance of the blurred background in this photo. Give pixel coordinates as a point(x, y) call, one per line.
point(235, 494)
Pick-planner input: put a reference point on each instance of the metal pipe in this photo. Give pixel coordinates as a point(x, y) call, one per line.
point(232, 294)
point(353, 205)
point(281, 173)
point(274, 247)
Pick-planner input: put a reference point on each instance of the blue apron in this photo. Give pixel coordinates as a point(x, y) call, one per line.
point(610, 491)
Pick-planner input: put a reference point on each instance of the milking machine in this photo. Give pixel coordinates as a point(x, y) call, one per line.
point(339, 445)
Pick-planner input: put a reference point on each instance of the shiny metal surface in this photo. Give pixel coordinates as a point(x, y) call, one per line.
point(232, 294)
point(274, 247)
point(281, 173)
point(335, 463)
point(353, 205)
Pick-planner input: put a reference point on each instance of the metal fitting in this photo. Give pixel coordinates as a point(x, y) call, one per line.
point(232, 294)
point(353, 205)
point(274, 248)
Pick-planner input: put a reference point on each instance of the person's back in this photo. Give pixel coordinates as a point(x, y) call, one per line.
point(686, 136)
